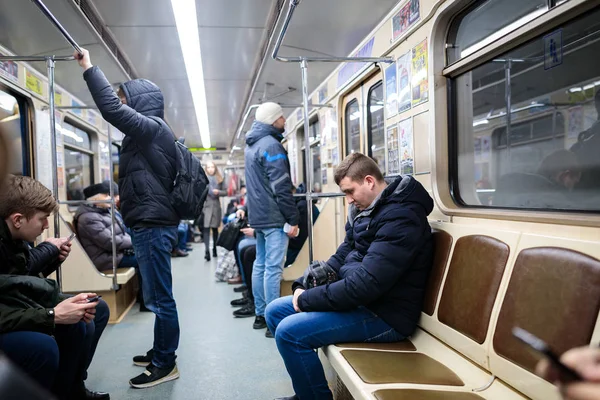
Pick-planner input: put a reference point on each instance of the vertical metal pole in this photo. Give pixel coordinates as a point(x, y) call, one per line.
point(507, 95)
point(308, 162)
point(50, 64)
point(113, 209)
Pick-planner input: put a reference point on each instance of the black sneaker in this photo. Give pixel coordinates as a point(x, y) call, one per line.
point(240, 302)
point(240, 289)
point(245, 312)
point(269, 334)
point(144, 361)
point(259, 322)
point(153, 376)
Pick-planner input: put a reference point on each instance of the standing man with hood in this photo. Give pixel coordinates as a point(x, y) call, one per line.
point(147, 170)
point(270, 205)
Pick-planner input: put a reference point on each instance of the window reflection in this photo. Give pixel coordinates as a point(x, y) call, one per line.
point(352, 127)
point(10, 123)
point(375, 104)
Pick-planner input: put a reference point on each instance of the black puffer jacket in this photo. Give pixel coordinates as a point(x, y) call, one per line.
point(384, 260)
point(147, 164)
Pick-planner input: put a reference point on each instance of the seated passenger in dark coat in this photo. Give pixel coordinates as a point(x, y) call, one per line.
point(549, 187)
point(93, 224)
point(382, 265)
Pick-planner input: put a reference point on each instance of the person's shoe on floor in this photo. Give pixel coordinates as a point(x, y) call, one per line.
point(245, 312)
point(153, 376)
point(294, 397)
point(269, 334)
point(144, 361)
point(240, 302)
point(259, 322)
point(240, 289)
point(179, 253)
point(90, 395)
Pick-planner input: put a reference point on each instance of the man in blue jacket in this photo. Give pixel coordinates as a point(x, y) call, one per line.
point(382, 268)
point(271, 205)
point(147, 170)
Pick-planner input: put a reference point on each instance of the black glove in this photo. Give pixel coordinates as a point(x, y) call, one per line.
point(319, 273)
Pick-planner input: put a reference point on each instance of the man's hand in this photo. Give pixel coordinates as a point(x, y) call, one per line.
point(83, 59)
point(248, 232)
point(293, 232)
point(240, 214)
point(585, 361)
point(75, 309)
point(297, 294)
point(64, 247)
point(215, 192)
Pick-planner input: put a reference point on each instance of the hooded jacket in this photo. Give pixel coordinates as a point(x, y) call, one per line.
point(269, 186)
point(147, 165)
point(93, 229)
point(384, 262)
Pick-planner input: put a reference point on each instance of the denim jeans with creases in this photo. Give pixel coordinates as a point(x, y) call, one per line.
point(271, 247)
point(298, 334)
point(153, 247)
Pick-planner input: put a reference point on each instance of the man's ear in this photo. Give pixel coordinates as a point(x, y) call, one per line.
point(16, 219)
point(370, 181)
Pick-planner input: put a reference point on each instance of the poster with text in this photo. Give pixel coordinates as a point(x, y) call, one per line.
point(405, 18)
point(403, 65)
point(393, 151)
point(405, 131)
point(335, 157)
point(324, 176)
point(420, 82)
point(391, 91)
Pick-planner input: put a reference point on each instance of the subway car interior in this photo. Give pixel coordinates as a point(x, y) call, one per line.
point(482, 115)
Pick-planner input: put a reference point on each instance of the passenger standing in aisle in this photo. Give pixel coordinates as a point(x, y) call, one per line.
point(212, 207)
point(270, 205)
point(146, 173)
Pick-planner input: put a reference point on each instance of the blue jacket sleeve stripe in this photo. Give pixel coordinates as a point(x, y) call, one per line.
point(274, 158)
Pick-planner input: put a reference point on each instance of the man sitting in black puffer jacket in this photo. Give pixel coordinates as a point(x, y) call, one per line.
point(38, 325)
point(371, 289)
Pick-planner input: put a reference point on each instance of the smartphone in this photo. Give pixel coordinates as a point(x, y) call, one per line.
point(93, 299)
point(71, 237)
point(566, 374)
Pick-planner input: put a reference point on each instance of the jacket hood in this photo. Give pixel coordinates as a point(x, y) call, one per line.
point(144, 97)
point(83, 209)
point(404, 189)
point(259, 130)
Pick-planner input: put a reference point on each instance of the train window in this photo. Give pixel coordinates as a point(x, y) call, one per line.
point(376, 132)
point(352, 127)
point(115, 154)
point(79, 161)
point(487, 21)
point(13, 125)
point(543, 153)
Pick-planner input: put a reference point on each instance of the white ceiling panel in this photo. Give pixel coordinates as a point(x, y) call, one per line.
point(229, 53)
point(136, 12)
point(228, 13)
point(155, 51)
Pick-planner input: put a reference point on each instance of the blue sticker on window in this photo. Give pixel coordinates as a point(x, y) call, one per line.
point(553, 52)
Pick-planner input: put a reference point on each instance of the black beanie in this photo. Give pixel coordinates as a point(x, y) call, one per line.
point(99, 188)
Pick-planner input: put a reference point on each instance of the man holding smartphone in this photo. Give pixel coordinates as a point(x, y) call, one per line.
point(50, 336)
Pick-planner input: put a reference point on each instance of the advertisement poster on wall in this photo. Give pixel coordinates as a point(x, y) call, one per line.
point(405, 18)
point(392, 146)
point(403, 65)
point(335, 157)
point(391, 91)
point(405, 130)
point(420, 83)
point(324, 176)
point(9, 70)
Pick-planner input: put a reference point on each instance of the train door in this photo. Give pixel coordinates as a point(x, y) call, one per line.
point(15, 127)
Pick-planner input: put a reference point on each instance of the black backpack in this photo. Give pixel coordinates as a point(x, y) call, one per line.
point(190, 186)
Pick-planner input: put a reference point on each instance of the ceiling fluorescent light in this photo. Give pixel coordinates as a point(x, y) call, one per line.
point(189, 39)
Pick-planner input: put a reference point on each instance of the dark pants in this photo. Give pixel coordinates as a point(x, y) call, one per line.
point(61, 362)
point(206, 238)
point(248, 255)
point(153, 247)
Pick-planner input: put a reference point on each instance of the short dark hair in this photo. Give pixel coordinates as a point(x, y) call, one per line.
point(356, 167)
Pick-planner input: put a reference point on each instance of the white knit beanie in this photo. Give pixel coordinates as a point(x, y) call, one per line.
point(268, 113)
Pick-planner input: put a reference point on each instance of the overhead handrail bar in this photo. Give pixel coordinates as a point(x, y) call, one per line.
point(321, 195)
point(304, 68)
point(50, 66)
point(57, 24)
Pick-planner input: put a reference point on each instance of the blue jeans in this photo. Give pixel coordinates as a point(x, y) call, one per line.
point(153, 248)
point(128, 262)
point(298, 334)
point(242, 244)
point(271, 246)
point(182, 232)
